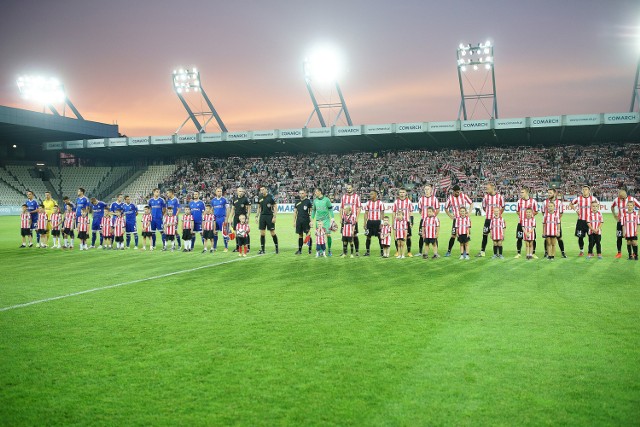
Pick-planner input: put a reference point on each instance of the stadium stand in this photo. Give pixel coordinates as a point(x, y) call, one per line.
point(143, 186)
point(26, 181)
point(9, 195)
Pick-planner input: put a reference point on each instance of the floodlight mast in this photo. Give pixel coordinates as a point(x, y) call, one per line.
point(342, 105)
point(46, 91)
point(185, 81)
point(635, 96)
point(476, 57)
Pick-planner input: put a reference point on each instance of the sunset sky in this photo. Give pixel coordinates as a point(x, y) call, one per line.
point(116, 57)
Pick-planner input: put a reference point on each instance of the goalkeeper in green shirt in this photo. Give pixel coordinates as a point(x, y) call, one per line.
point(323, 211)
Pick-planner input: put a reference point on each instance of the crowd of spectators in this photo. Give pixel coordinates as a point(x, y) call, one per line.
point(603, 167)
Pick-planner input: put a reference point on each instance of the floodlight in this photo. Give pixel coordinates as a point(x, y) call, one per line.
point(187, 81)
point(324, 65)
point(45, 91)
point(474, 57)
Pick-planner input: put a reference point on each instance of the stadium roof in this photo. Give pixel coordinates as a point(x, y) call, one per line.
point(33, 128)
point(532, 131)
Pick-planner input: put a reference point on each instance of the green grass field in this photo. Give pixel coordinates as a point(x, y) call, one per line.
point(212, 339)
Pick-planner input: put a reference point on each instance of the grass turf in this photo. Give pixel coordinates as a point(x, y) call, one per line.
point(292, 340)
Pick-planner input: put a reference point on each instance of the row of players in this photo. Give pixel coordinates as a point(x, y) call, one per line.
point(321, 210)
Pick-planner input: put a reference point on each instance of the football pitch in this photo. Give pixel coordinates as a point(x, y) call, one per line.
point(161, 338)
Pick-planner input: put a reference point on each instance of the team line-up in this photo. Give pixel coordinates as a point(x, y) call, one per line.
point(119, 220)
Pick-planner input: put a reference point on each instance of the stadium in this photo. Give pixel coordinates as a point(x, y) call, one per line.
point(218, 275)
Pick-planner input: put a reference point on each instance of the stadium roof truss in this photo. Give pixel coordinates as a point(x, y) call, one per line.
point(531, 131)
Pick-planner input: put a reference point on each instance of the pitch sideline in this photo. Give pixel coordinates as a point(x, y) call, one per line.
point(117, 285)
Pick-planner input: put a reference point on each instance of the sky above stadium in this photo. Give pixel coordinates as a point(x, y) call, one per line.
point(116, 58)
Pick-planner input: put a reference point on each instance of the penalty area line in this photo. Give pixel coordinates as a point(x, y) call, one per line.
point(117, 285)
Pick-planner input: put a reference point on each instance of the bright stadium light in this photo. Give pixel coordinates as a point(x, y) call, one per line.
point(476, 57)
point(325, 66)
point(45, 91)
point(188, 81)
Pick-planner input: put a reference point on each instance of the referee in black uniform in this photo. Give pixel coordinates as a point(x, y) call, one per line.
point(302, 219)
point(266, 217)
point(240, 205)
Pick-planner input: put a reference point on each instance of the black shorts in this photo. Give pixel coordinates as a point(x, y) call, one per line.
point(373, 227)
point(83, 235)
point(55, 233)
point(147, 233)
point(242, 241)
point(187, 234)
point(302, 226)
point(629, 239)
point(206, 234)
point(355, 229)
point(67, 231)
point(41, 231)
point(266, 223)
point(347, 239)
point(582, 228)
point(25, 232)
point(430, 241)
point(463, 238)
point(596, 238)
point(119, 239)
point(170, 237)
point(619, 229)
point(487, 227)
point(409, 224)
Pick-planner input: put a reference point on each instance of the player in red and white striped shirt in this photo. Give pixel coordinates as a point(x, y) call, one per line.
point(385, 237)
point(25, 227)
point(349, 222)
point(430, 232)
point(490, 201)
point(68, 226)
point(321, 240)
point(496, 228)
point(146, 228)
point(582, 204)
point(56, 223)
point(456, 201)
point(428, 200)
point(595, 230)
point(375, 210)
point(106, 229)
point(119, 226)
point(552, 197)
point(242, 235)
point(630, 221)
point(404, 205)
point(170, 224)
point(352, 199)
point(525, 202)
point(620, 204)
point(400, 227)
point(208, 228)
point(529, 231)
point(83, 229)
point(551, 224)
point(463, 228)
point(41, 227)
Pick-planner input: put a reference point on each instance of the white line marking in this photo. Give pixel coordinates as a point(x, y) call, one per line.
point(88, 291)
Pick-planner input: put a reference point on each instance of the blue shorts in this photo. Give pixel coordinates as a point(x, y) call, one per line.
point(95, 225)
point(34, 221)
point(131, 227)
point(197, 226)
point(156, 224)
point(219, 224)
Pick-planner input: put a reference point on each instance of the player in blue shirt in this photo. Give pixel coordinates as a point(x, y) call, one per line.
point(81, 202)
point(117, 205)
point(197, 208)
point(32, 207)
point(158, 208)
point(97, 207)
point(174, 204)
point(130, 214)
point(220, 207)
